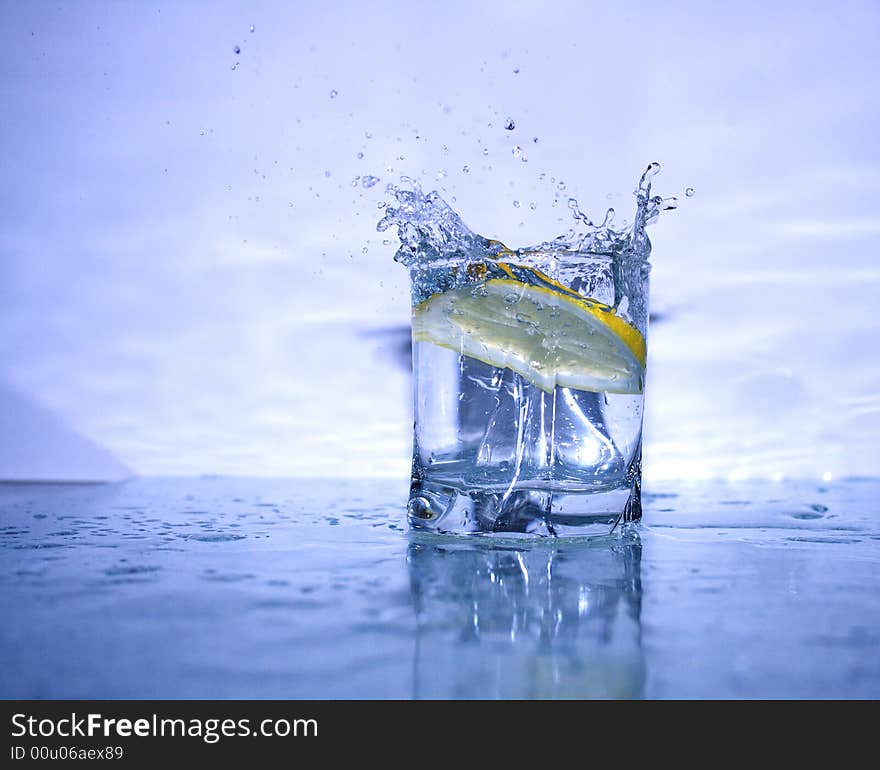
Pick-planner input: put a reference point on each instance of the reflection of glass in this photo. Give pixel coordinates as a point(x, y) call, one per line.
point(541, 621)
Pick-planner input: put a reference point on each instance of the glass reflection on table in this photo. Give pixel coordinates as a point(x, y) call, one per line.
point(536, 620)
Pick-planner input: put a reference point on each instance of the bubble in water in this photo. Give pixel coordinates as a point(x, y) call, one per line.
point(689, 192)
point(334, 93)
point(237, 49)
point(509, 124)
point(369, 181)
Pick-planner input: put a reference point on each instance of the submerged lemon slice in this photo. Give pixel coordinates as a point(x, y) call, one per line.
point(548, 336)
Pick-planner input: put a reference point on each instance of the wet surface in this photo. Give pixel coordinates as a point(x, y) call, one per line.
point(246, 588)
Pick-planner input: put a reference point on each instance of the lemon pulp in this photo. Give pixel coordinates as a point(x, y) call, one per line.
point(550, 336)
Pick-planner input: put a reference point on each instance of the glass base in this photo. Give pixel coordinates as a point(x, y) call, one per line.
point(436, 507)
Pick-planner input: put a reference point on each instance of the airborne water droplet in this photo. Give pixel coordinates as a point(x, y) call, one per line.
point(369, 181)
point(360, 156)
point(517, 151)
point(237, 49)
point(689, 192)
point(516, 204)
point(334, 93)
point(509, 124)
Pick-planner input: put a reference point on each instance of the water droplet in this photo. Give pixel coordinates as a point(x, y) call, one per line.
point(237, 49)
point(689, 192)
point(535, 139)
point(466, 169)
point(516, 70)
point(485, 151)
point(252, 27)
point(533, 205)
point(326, 173)
point(368, 135)
point(369, 181)
point(653, 168)
point(334, 93)
point(517, 151)
point(360, 156)
point(509, 124)
point(516, 204)
point(364, 250)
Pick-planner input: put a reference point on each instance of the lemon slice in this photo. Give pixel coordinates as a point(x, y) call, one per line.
point(548, 336)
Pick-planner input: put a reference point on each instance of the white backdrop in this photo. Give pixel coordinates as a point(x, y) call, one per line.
point(189, 283)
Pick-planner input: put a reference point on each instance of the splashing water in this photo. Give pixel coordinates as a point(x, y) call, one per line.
point(432, 235)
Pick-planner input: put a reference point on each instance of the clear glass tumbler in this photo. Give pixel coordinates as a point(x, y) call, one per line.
point(529, 378)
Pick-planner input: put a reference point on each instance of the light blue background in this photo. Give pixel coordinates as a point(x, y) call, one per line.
point(190, 284)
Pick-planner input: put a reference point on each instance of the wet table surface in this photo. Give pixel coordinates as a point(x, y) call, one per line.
point(254, 588)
